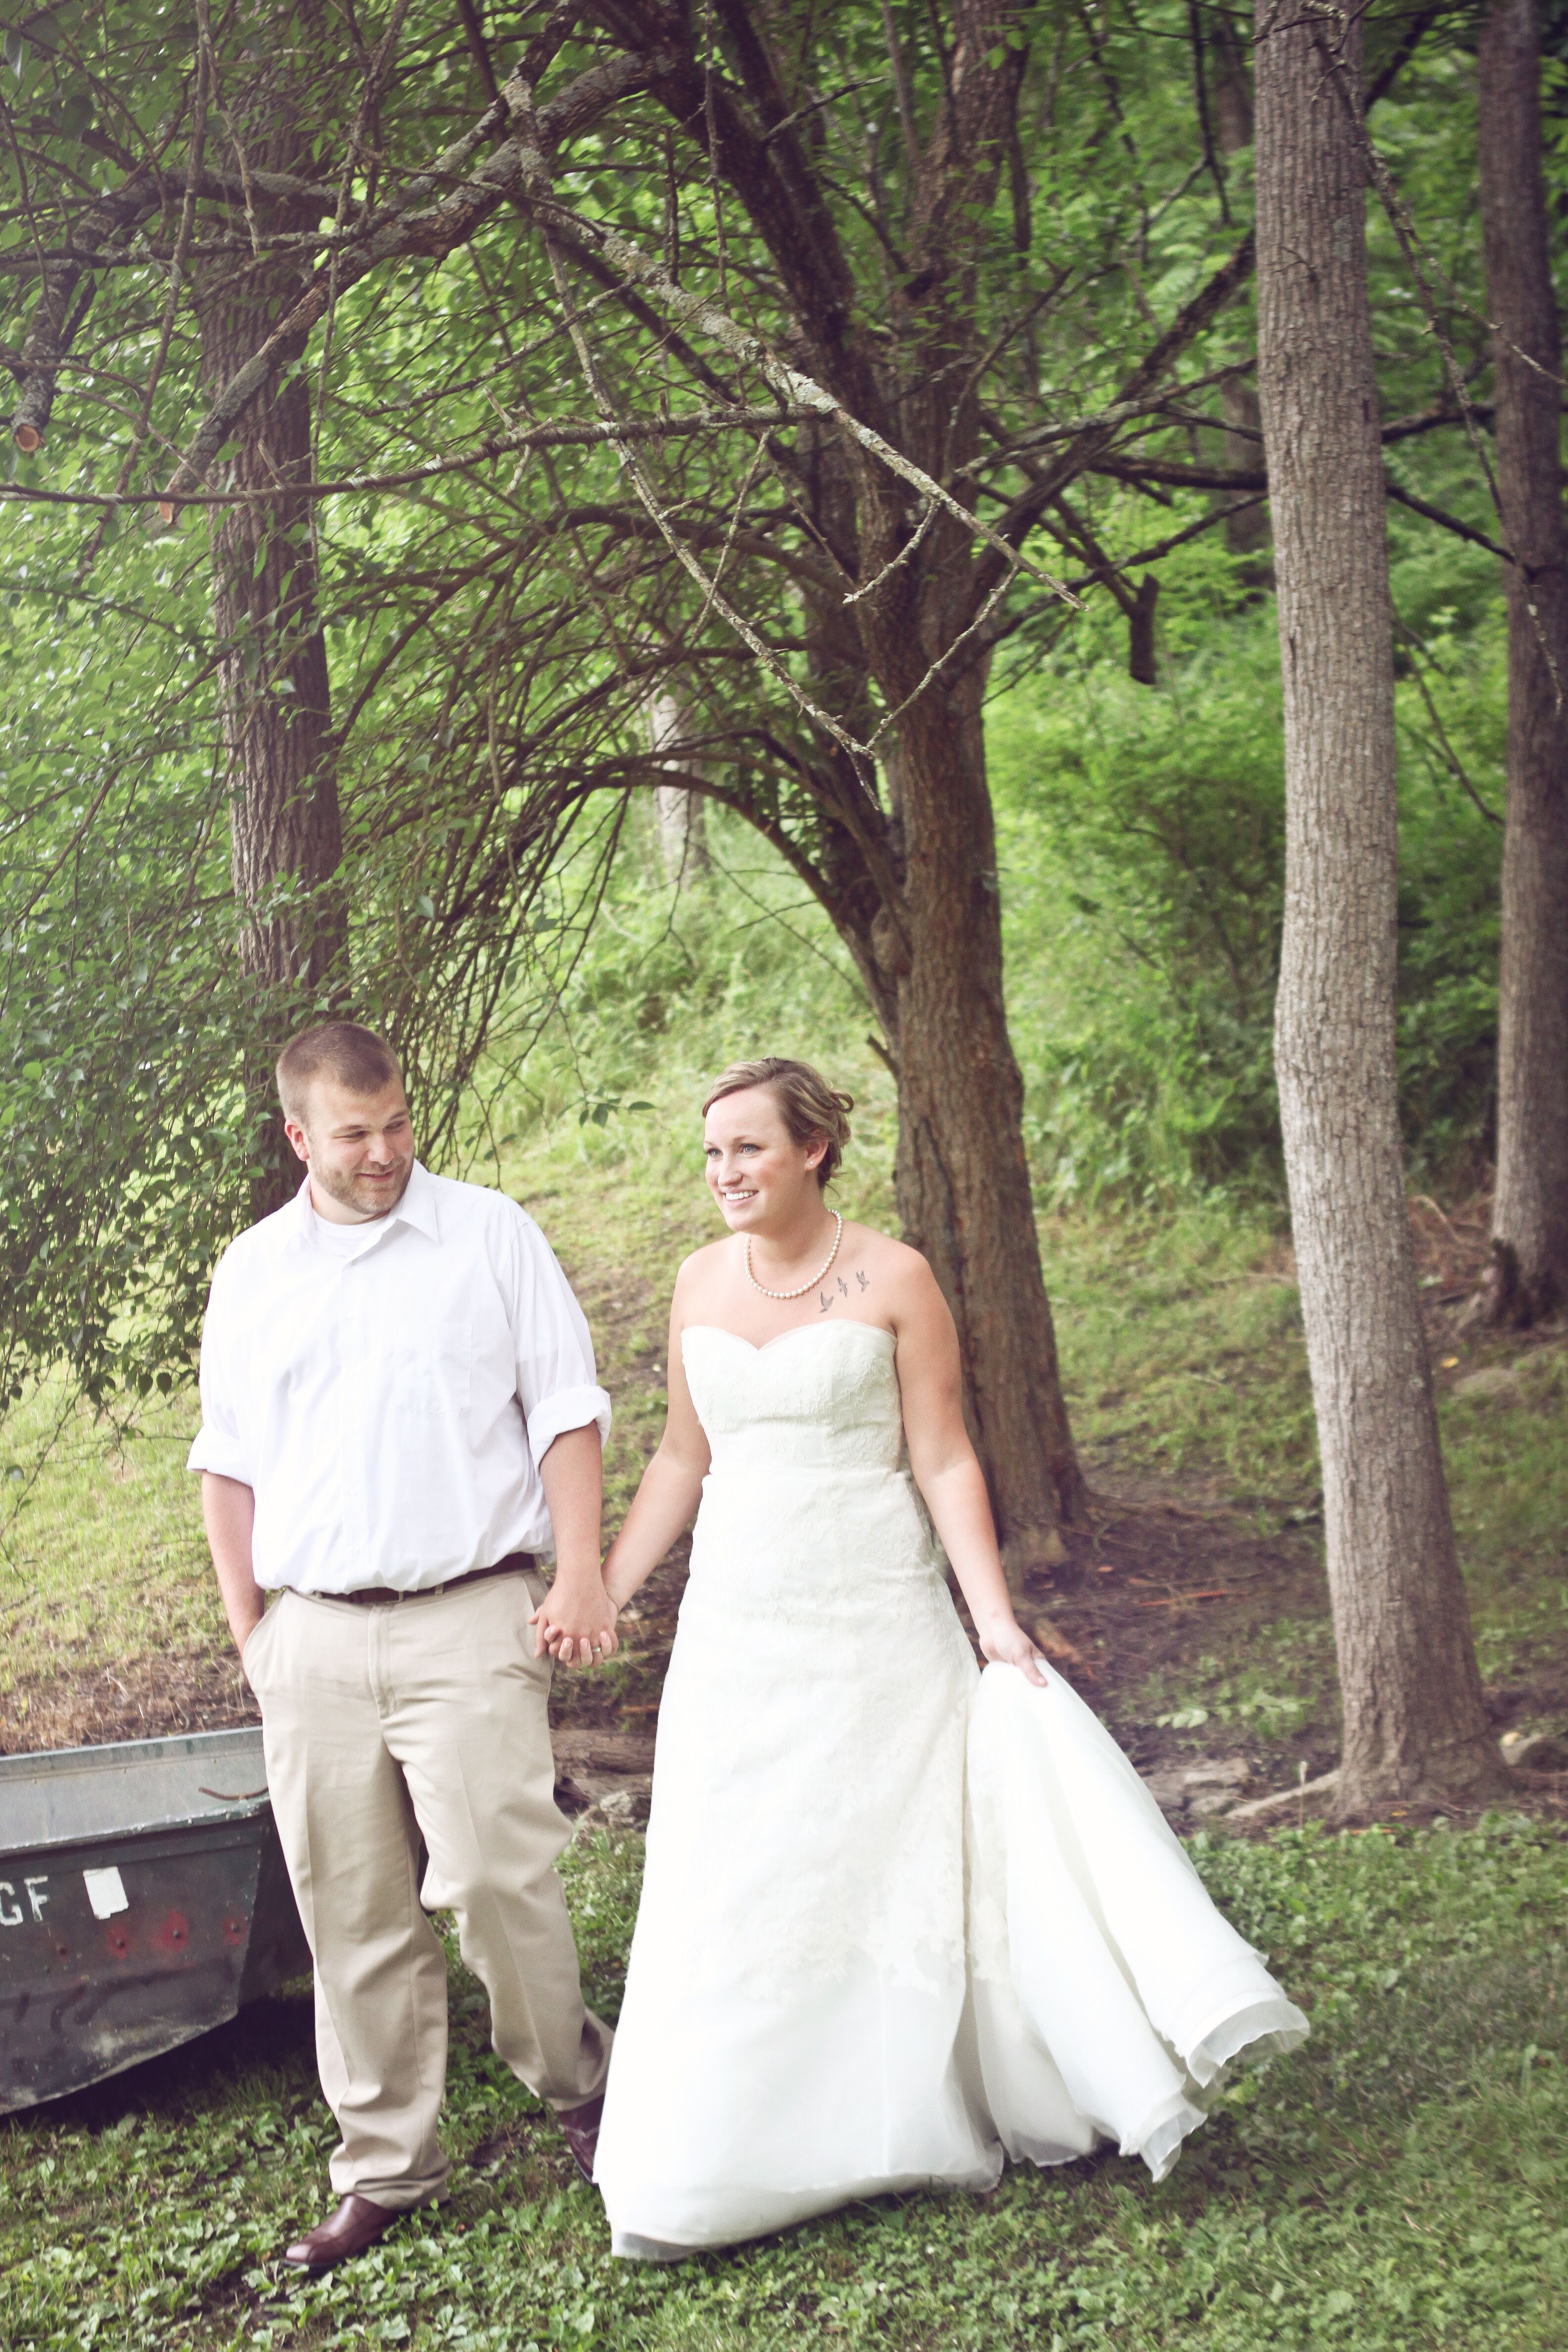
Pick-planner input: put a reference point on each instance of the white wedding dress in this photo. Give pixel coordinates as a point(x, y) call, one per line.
point(899, 1918)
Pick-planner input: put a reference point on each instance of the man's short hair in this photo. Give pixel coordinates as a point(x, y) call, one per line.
point(355, 1058)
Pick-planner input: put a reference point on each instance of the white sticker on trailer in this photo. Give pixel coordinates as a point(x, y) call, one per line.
point(105, 1891)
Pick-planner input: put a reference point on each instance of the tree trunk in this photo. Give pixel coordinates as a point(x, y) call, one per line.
point(1529, 1216)
point(1245, 534)
point(963, 1192)
point(678, 810)
point(272, 674)
point(1414, 1720)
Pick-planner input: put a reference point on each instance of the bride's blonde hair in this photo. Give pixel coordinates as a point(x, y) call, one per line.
point(809, 1106)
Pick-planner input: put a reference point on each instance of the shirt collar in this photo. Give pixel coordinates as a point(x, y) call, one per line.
point(417, 1208)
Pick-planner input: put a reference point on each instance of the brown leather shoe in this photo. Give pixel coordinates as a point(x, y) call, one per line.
point(356, 2224)
point(580, 2126)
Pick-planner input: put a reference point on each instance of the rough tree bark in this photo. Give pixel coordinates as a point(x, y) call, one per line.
point(272, 676)
point(926, 933)
point(1530, 1219)
point(1414, 1720)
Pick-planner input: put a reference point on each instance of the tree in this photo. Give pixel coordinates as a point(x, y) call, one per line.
point(273, 680)
point(1529, 1276)
point(1219, 50)
point(1415, 1724)
point(677, 807)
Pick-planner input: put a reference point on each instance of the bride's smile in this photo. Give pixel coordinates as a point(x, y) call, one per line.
point(766, 1184)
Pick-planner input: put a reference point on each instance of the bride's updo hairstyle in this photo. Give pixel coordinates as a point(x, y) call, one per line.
point(809, 1106)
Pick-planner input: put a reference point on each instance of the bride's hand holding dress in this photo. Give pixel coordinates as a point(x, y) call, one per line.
point(941, 1461)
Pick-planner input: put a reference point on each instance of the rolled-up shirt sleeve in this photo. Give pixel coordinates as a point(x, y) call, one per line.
point(556, 1383)
point(219, 1444)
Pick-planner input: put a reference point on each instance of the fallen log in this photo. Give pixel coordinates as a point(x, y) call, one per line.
point(595, 1750)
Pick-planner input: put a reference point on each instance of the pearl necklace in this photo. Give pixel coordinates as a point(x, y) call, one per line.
point(825, 1267)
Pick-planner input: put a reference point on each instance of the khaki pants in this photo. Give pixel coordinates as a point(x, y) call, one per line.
point(381, 1724)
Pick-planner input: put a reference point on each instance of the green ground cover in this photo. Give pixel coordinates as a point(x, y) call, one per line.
point(104, 1561)
point(1392, 2188)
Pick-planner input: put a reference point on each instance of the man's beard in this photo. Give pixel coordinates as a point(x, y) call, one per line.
point(343, 1189)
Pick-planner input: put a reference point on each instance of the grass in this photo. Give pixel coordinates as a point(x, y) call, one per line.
point(102, 1558)
point(1392, 2188)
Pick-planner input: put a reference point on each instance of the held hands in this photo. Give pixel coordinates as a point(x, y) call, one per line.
point(576, 1622)
point(1003, 1640)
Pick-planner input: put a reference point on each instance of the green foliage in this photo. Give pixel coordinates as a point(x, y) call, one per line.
point(1142, 847)
point(1142, 853)
point(495, 634)
point(124, 1140)
point(1389, 2189)
point(666, 982)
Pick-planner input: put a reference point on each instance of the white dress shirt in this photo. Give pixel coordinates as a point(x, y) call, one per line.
point(388, 1389)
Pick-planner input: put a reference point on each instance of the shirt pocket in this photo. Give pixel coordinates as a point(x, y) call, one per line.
point(429, 1375)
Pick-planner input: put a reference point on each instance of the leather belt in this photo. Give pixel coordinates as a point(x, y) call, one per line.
point(382, 1596)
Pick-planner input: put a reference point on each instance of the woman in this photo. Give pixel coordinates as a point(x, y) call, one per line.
point(899, 1918)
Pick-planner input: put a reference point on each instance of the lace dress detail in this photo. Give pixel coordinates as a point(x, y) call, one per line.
point(898, 1917)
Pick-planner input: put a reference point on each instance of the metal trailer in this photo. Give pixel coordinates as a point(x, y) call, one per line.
point(143, 1900)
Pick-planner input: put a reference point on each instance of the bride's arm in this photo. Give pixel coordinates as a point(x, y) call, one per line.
point(671, 1485)
point(944, 1469)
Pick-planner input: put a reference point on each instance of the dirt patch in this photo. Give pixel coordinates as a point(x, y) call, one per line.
point(194, 1690)
point(1167, 1573)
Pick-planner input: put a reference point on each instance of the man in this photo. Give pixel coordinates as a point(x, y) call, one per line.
point(399, 1411)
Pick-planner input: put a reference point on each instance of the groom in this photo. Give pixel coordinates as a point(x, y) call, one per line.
point(399, 1411)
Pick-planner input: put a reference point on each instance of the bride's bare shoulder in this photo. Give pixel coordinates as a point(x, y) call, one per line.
point(700, 1269)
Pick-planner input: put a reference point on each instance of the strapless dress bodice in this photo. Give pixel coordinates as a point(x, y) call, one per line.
point(822, 1397)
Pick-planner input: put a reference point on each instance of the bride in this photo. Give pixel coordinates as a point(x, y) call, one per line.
point(899, 1918)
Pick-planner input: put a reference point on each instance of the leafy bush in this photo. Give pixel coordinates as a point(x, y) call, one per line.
point(1142, 850)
